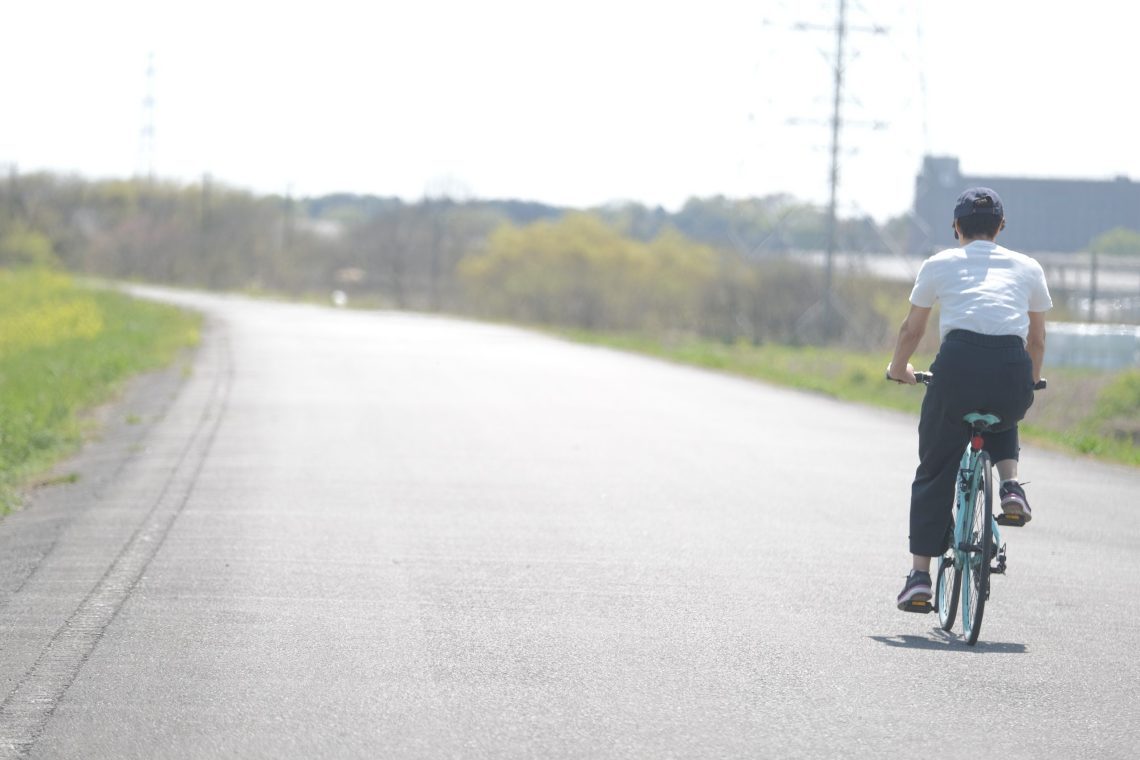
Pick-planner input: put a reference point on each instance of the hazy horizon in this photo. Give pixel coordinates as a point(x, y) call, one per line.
point(568, 105)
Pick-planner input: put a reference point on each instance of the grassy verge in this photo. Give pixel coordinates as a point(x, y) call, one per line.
point(64, 349)
point(1083, 411)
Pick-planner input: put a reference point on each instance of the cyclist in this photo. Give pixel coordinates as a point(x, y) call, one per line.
point(992, 328)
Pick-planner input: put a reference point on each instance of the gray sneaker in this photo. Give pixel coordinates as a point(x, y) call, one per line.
point(916, 594)
point(1014, 506)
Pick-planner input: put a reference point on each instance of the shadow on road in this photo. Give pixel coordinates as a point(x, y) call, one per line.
point(939, 639)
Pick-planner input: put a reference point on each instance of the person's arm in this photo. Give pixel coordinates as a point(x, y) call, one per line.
point(1035, 343)
point(910, 334)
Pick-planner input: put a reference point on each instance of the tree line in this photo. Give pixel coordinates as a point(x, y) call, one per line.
point(724, 268)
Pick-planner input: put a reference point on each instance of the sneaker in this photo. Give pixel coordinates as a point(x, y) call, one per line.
point(1014, 505)
point(916, 593)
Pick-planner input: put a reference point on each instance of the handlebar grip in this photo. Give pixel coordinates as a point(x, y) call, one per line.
point(922, 377)
point(926, 377)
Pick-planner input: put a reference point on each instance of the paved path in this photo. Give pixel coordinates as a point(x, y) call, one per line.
point(362, 535)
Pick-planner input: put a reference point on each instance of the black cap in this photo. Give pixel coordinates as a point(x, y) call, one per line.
point(978, 200)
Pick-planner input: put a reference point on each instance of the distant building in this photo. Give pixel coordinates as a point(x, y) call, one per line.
point(1042, 215)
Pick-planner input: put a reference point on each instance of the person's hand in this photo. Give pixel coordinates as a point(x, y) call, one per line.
point(903, 377)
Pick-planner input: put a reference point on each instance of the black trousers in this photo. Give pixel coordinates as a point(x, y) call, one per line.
point(972, 372)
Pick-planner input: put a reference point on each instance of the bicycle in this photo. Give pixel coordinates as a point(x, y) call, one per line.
point(964, 569)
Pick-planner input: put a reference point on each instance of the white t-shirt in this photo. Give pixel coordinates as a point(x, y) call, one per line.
point(983, 288)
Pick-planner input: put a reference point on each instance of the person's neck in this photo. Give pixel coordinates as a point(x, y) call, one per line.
point(967, 241)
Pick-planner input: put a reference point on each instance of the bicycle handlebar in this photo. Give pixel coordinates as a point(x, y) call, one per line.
point(926, 377)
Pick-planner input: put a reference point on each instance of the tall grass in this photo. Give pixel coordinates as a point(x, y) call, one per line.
point(63, 349)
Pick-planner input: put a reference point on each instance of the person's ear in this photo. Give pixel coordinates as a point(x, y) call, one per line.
point(1002, 227)
point(954, 226)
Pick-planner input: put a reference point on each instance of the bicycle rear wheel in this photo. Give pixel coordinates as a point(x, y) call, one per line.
point(946, 591)
point(978, 537)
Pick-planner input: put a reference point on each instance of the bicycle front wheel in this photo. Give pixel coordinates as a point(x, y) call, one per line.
point(946, 591)
point(978, 537)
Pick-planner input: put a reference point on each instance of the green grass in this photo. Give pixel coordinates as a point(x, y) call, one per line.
point(842, 374)
point(64, 349)
point(1109, 427)
point(1082, 411)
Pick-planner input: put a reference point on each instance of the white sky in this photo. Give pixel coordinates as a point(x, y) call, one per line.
point(576, 103)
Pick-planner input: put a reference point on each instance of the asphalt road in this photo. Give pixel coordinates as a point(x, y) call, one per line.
point(365, 535)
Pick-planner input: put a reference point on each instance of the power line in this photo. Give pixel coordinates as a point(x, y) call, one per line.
point(147, 133)
point(922, 84)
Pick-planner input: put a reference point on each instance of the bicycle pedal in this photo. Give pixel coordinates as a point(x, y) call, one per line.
point(1013, 521)
point(918, 605)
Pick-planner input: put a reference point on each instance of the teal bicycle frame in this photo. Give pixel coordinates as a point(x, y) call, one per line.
point(974, 545)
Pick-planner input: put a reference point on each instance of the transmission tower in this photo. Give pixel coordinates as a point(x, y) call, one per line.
point(839, 65)
point(146, 134)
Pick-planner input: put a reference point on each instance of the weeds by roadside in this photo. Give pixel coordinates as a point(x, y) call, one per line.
point(63, 349)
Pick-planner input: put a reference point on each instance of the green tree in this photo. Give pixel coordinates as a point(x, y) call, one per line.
point(580, 271)
point(1119, 241)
